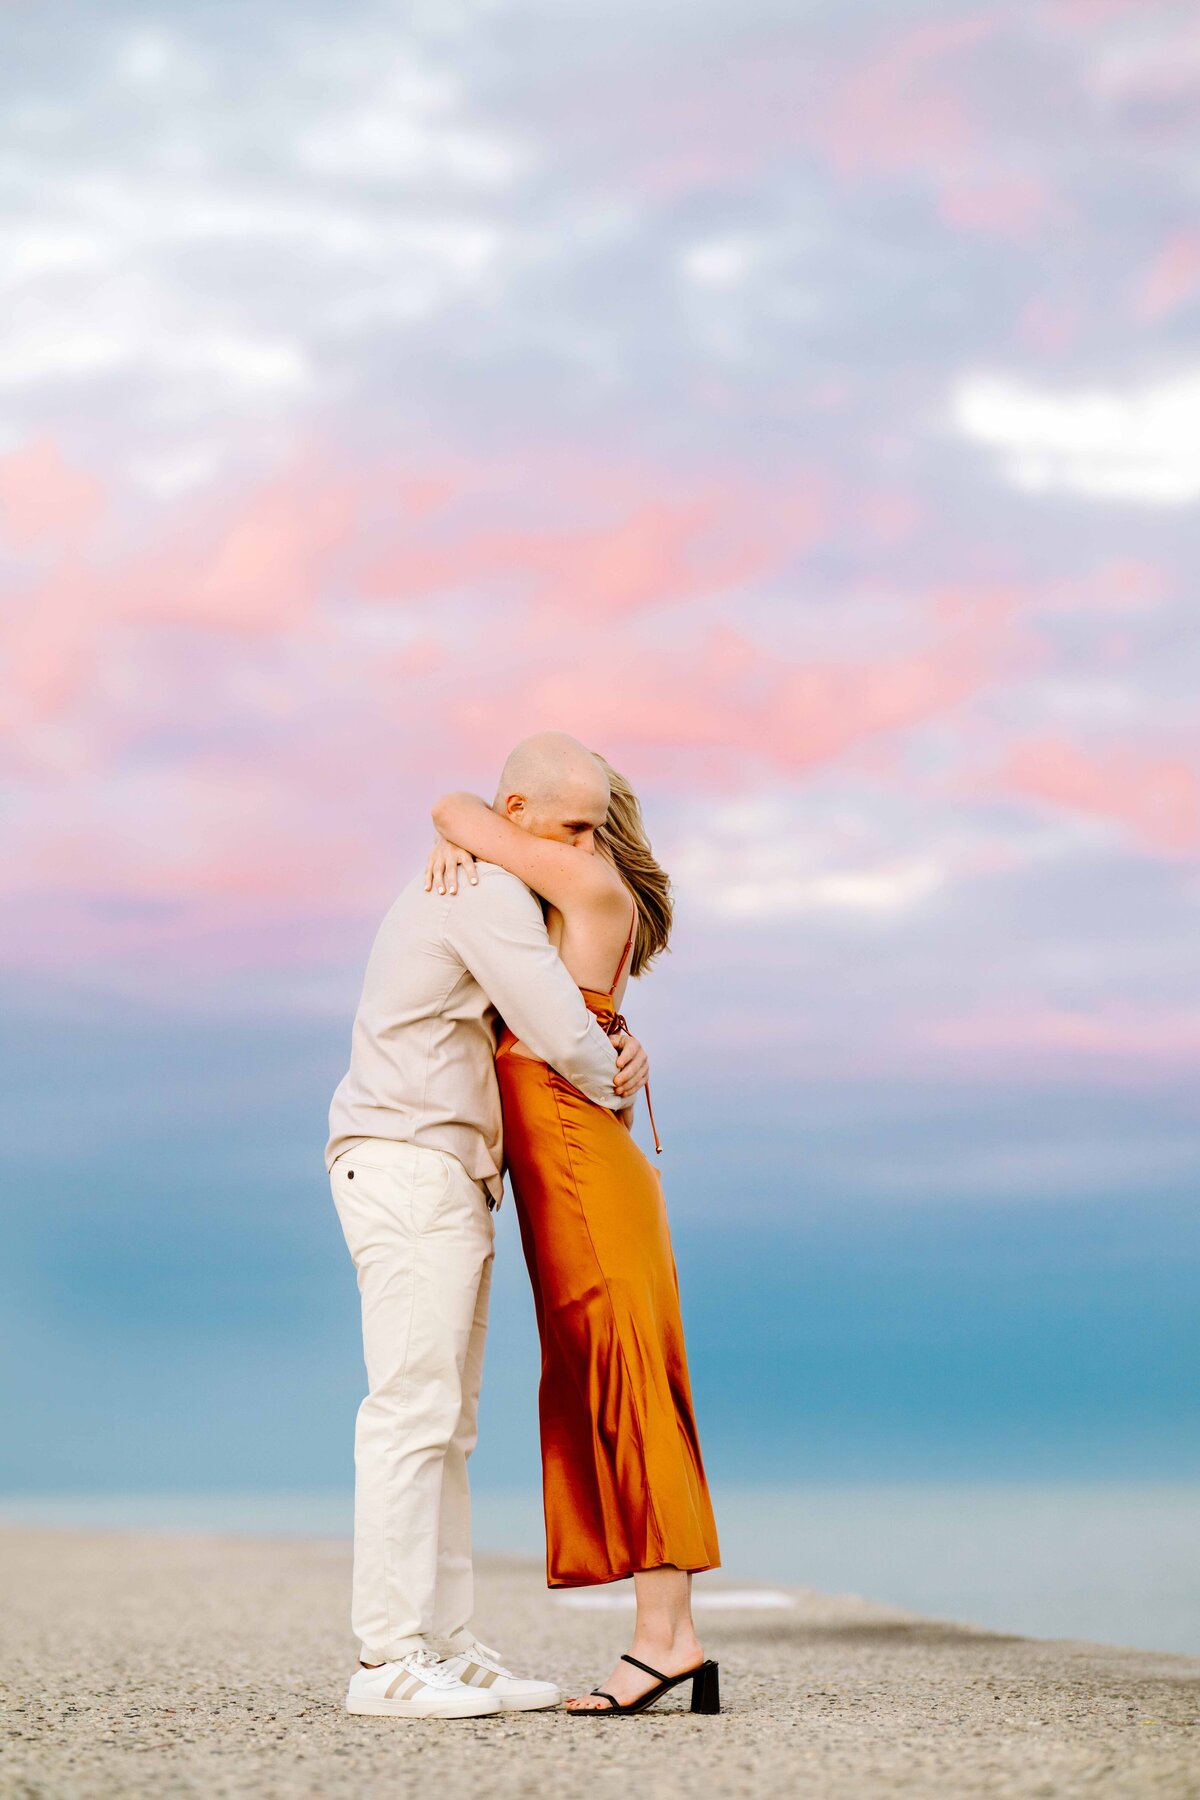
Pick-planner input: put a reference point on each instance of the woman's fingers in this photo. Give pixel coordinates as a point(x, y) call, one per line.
point(443, 864)
point(455, 857)
point(633, 1065)
point(437, 863)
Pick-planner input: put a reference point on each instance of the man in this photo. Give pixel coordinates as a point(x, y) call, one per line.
point(415, 1163)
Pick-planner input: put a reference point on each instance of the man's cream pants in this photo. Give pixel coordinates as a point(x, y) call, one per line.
point(421, 1234)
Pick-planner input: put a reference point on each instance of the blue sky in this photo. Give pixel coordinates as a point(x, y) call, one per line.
point(180, 1313)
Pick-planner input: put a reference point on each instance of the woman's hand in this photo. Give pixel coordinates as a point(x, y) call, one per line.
point(445, 860)
point(633, 1065)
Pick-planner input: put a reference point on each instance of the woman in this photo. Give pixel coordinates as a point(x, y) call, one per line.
point(623, 1481)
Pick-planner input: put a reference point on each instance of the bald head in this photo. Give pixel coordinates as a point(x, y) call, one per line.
point(552, 785)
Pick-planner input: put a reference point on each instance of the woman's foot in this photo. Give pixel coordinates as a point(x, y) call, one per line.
point(626, 1683)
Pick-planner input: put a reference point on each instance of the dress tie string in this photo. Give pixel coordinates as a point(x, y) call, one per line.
point(619, 1022)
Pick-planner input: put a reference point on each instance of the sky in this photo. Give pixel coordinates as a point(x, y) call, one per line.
point(798, 403)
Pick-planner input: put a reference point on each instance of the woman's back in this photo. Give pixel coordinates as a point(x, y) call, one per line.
point(592, 941)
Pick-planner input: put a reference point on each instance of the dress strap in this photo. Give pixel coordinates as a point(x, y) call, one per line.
point(625, 951)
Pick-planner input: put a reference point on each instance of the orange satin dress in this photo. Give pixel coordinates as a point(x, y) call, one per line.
point(623, 1483)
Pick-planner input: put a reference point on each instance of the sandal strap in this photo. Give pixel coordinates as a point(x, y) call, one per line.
point(601, 1695)
point(657, 1673)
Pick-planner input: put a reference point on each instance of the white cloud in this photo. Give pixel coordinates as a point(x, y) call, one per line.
point(1143, 63)
point(378, 146)
point(776, 893)
point(58, 348)
point(720, 262)
point(148, 57)
point(176, 470)
point(173, 261)
point(758, 862)
point(407, 124)
point(61, 350)
point(240, 360)
point(428, 264)
point(1140, 445)
point(41, 248)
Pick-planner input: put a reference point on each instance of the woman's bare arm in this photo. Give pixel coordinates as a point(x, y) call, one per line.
point(561, 873)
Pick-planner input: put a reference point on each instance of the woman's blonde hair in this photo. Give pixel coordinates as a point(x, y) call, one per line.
point(623, 837)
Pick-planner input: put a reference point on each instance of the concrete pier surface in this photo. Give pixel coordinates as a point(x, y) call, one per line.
point(162, 1665)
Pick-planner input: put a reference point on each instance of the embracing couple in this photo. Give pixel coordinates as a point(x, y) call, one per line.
point(488, 1038)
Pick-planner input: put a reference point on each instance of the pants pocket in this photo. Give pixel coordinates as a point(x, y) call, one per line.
point(397, 1200)
point(430, 1189)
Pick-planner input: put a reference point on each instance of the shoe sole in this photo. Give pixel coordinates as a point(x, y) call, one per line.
point(408, 1709)
point(524, 1705)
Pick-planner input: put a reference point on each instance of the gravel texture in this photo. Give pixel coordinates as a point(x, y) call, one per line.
point(160, 1665)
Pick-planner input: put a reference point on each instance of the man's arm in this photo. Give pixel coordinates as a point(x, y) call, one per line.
point(498, 930)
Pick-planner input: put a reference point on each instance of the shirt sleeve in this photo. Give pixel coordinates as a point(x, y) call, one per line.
point(498, 931)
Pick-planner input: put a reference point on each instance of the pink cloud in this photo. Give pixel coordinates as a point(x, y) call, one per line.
point(894, 106)
point(1007, 206)
point(1049, 326)
point(220, 860)
point(895, 111)
point(43, 498)
point(732, 707)
point(1120, 587)
point(246, 734)
point(1171, 281)
point(891, 515)
point(644, 553)
point(255, 566)
point(265, 567)
point(1110, 1030)
point(227, 630)
point(608, 542)
point(1155, 798)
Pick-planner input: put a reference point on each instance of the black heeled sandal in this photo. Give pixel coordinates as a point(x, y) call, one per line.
point(706, 1692)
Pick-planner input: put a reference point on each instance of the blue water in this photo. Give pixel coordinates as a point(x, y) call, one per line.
point(1108, 1562)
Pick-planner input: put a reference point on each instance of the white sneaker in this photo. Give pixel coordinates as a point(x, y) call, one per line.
point(417, 1686)
point(481, 1670)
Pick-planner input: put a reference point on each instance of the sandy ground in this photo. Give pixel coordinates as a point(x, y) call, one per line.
point(156, 1665)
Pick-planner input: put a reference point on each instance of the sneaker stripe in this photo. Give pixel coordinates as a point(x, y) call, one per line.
point(403, 1687)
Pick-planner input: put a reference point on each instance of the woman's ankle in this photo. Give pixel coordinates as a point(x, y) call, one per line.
point(668, 1645)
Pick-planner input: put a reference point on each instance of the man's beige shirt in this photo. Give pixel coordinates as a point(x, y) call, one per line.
point(441, 971)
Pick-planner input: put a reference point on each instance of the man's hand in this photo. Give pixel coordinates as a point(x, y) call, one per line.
point(633, 1065)
point(443, 865)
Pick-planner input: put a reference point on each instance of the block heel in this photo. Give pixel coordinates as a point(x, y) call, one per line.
point(706, 1689)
